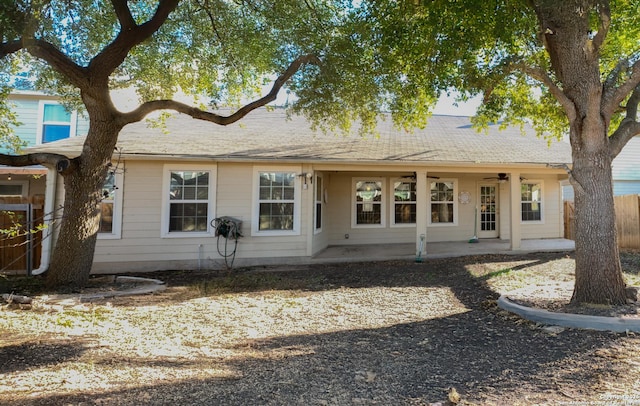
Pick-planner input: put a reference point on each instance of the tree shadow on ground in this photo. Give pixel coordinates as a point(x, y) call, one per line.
point(488, 359)
point(489, 356)
point(38, 354)
point(448, 272)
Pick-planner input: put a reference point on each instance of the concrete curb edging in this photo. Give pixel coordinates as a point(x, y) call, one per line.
point(150, 286)
point(147, 286)
point(602, 323)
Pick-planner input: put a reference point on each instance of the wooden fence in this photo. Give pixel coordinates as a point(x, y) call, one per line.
point(627, 220)
point(20, 252)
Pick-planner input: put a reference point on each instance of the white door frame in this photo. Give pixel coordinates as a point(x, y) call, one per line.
point(488, 210)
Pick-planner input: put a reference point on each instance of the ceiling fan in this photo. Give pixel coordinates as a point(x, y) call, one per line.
point(502, 177)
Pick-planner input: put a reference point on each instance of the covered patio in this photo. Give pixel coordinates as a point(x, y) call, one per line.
point(379, 252)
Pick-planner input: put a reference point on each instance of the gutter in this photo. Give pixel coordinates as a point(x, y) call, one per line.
point(49, 207)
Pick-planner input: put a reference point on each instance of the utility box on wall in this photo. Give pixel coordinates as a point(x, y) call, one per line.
point(227, 227)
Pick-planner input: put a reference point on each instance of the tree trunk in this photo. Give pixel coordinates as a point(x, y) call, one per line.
point(598, 271)
point(566, 28)
point(72, 256)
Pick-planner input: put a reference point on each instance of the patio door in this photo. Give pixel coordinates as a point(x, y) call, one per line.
point(488, 212)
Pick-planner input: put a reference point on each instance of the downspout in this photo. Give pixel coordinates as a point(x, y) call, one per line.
point(49, 207)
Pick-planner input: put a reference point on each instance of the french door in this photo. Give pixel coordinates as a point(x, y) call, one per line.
point(488, 226)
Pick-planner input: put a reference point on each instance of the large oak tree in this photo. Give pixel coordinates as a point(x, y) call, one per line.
point(569, 67)
point(217, 49)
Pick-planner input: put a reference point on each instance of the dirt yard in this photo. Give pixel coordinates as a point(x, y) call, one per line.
point(377, 333)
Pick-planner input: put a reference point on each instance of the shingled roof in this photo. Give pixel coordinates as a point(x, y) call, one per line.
point(269, 136)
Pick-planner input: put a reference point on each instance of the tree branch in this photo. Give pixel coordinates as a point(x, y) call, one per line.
point(542, 76)
point(605, 23)
point(124, 14)
point(115, 53)
point(148, 107)
point(614, 96)
point(628, 128)
point(62, 164)
point(632, 104)
point(574, 182)
point(10, 47)
point(57, 60)
point(609, 85)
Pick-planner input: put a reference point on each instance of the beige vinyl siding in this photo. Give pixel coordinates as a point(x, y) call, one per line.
point(142, 247)
point(339, 212)
point(273, 246)
point(550, 226)
point(552, 215)
point(234, 193)
point(463, 229)
point(142, 202)
point(235, 199)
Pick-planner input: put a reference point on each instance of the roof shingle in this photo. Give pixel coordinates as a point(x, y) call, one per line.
point(269, 135)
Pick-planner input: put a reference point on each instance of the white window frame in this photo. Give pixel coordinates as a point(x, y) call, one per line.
point(73, 123)
point(354, 202)
point(318, 201)
point(297, 200)
point(116, 221)
point(541, 202)
point(166, 202)
point(23, 183)
point(455, 202)
point(392, 201)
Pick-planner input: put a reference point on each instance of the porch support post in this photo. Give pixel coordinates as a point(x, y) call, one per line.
point(422, 205)
point(516, 232)
point(308, 190)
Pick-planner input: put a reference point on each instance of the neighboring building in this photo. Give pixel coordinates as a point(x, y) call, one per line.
point(297, 192)
point(626, 169)
point(42, 119)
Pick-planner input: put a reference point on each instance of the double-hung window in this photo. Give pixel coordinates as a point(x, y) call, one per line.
point(404, 202)
point(531, 201)
point(443, 204)
point(56, 122)
point(277, 203)
point(368, 203)
point(188, 193)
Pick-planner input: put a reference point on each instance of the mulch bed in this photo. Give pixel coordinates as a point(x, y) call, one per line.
point(375, 333)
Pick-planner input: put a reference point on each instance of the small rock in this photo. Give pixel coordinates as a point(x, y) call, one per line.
point(553, 329)
point(366, 376)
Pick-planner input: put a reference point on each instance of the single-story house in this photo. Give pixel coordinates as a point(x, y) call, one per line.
point(291, 192)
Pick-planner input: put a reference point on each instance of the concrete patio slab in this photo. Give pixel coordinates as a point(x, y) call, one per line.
point(381, 252)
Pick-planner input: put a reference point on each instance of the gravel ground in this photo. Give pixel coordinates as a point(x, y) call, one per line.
point(377, 333)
